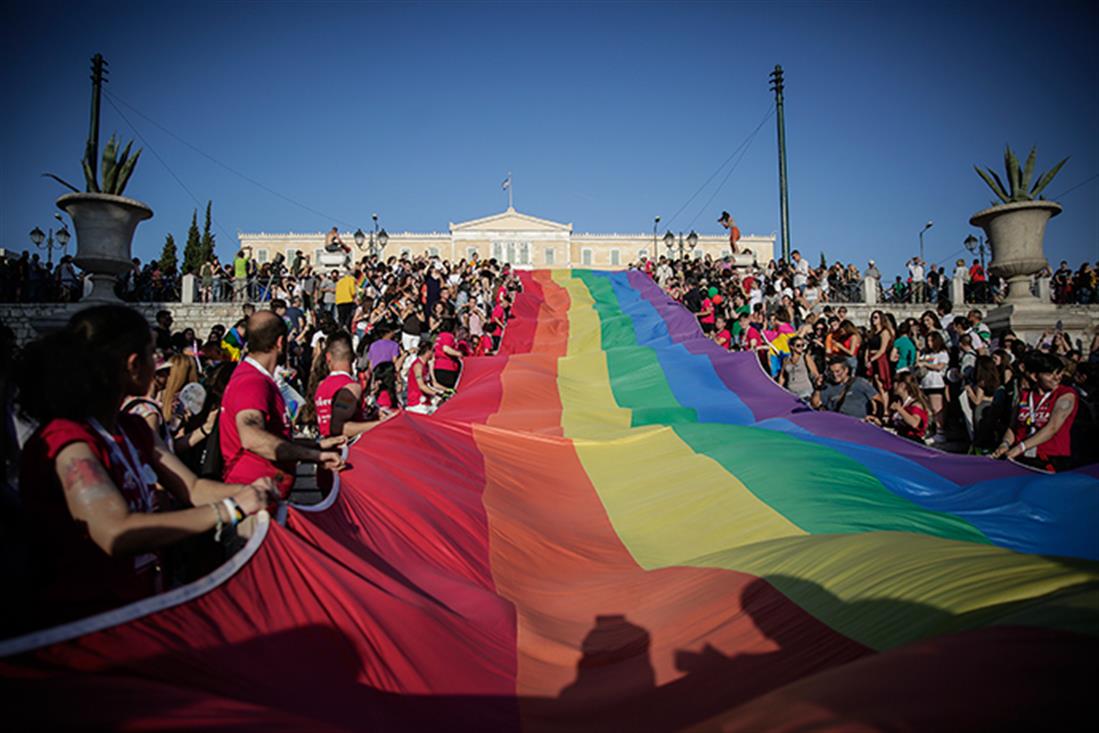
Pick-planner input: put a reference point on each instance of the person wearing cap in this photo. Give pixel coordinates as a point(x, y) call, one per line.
point(726, 220)
point(872, 270)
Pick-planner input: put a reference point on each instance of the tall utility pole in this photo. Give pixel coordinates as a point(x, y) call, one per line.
point(784, 207)
point(91, 151)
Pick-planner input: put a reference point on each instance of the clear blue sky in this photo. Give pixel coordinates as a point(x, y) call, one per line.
point(607, 113)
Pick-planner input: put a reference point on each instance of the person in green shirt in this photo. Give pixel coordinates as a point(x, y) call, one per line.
point(240, 273)
point(905, 346)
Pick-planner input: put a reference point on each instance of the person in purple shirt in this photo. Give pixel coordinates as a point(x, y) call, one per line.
point(385, 348)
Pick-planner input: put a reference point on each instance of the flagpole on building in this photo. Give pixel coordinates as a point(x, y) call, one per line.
point(510, 200)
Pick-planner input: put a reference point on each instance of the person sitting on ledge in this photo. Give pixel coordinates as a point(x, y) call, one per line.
point(101, 492)
point(848, 395)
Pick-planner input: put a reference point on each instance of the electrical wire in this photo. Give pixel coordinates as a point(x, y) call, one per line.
point(167, 167)
point(720, 167)
point(743, 152)
point(249, 179)
point(1078, 185)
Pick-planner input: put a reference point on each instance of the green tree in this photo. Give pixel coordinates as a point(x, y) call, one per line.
point(208, 244)
point(192, 252)
point(168, 260)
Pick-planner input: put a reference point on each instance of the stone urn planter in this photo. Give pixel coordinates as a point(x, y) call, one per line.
point(1016, 232)
point(105, 227)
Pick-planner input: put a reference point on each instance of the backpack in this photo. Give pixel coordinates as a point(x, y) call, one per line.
point(212, 463)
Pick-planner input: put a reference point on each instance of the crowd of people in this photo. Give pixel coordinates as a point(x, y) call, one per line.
point(136, 456)
point(939, 379)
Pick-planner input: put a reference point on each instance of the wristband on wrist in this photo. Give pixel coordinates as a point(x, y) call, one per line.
point(1022, 446)
point(231, 507)
point(220, 524)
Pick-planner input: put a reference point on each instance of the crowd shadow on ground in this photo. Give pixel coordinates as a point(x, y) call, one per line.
point(1003, 677)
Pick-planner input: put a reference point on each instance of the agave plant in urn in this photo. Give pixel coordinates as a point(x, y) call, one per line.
point(1016, 226)
point(104, 219)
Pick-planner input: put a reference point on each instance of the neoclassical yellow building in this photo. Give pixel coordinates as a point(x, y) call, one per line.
point(523, 240)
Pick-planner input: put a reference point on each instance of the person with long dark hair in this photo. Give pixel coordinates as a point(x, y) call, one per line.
point(1040, 434)
point(90, 475)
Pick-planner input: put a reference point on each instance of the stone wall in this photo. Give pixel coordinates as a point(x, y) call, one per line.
point(30, 320)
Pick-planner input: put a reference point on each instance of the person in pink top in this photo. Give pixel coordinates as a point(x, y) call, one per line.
point(255, 433)
point(448, 357)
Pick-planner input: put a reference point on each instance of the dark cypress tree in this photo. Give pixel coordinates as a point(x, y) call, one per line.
point(192, 253)
point(208, 243)
point(168, 259)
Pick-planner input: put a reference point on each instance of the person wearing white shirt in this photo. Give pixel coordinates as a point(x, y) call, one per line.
point(919, 285)
point(801, 271)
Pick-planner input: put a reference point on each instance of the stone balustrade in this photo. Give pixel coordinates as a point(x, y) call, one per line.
point(28, 320)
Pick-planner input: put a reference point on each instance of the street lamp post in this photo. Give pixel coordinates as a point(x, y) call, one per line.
point(926, 226)
point(378, 238)
point(670, 241)
point(655, 222)
point(44, 240)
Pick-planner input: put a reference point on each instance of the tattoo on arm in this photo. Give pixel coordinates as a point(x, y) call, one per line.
point(87, 486)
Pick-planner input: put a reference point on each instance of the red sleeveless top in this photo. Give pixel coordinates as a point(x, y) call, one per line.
point(326, 392)
point(1035, 411)
point(415, 394)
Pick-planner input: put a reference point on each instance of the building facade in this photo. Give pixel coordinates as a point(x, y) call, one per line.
point(522, 240)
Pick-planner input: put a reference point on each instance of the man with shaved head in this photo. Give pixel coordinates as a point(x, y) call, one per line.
point(339, 395)
point(255, 433)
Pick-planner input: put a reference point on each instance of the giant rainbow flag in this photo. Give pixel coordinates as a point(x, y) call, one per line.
point(615, 526)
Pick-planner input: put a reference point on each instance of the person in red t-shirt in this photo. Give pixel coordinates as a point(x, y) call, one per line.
point(255, 433)
point(448, 357)
point(722, 336)
point(1040, 435)
point(96, 485)
point(485, 344)
point(908, 411)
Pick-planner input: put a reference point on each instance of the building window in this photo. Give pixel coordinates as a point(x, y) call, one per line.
point(406, 252)
point(616, 258)
point(642, 253)
point(585, 256)
point(261, 256)
point(290, 254)
point(551, 256)
point(317, 256)
point(524, 254)
point(698, 254)
point(472, 253)
point(497, 251)
point(432, 251)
